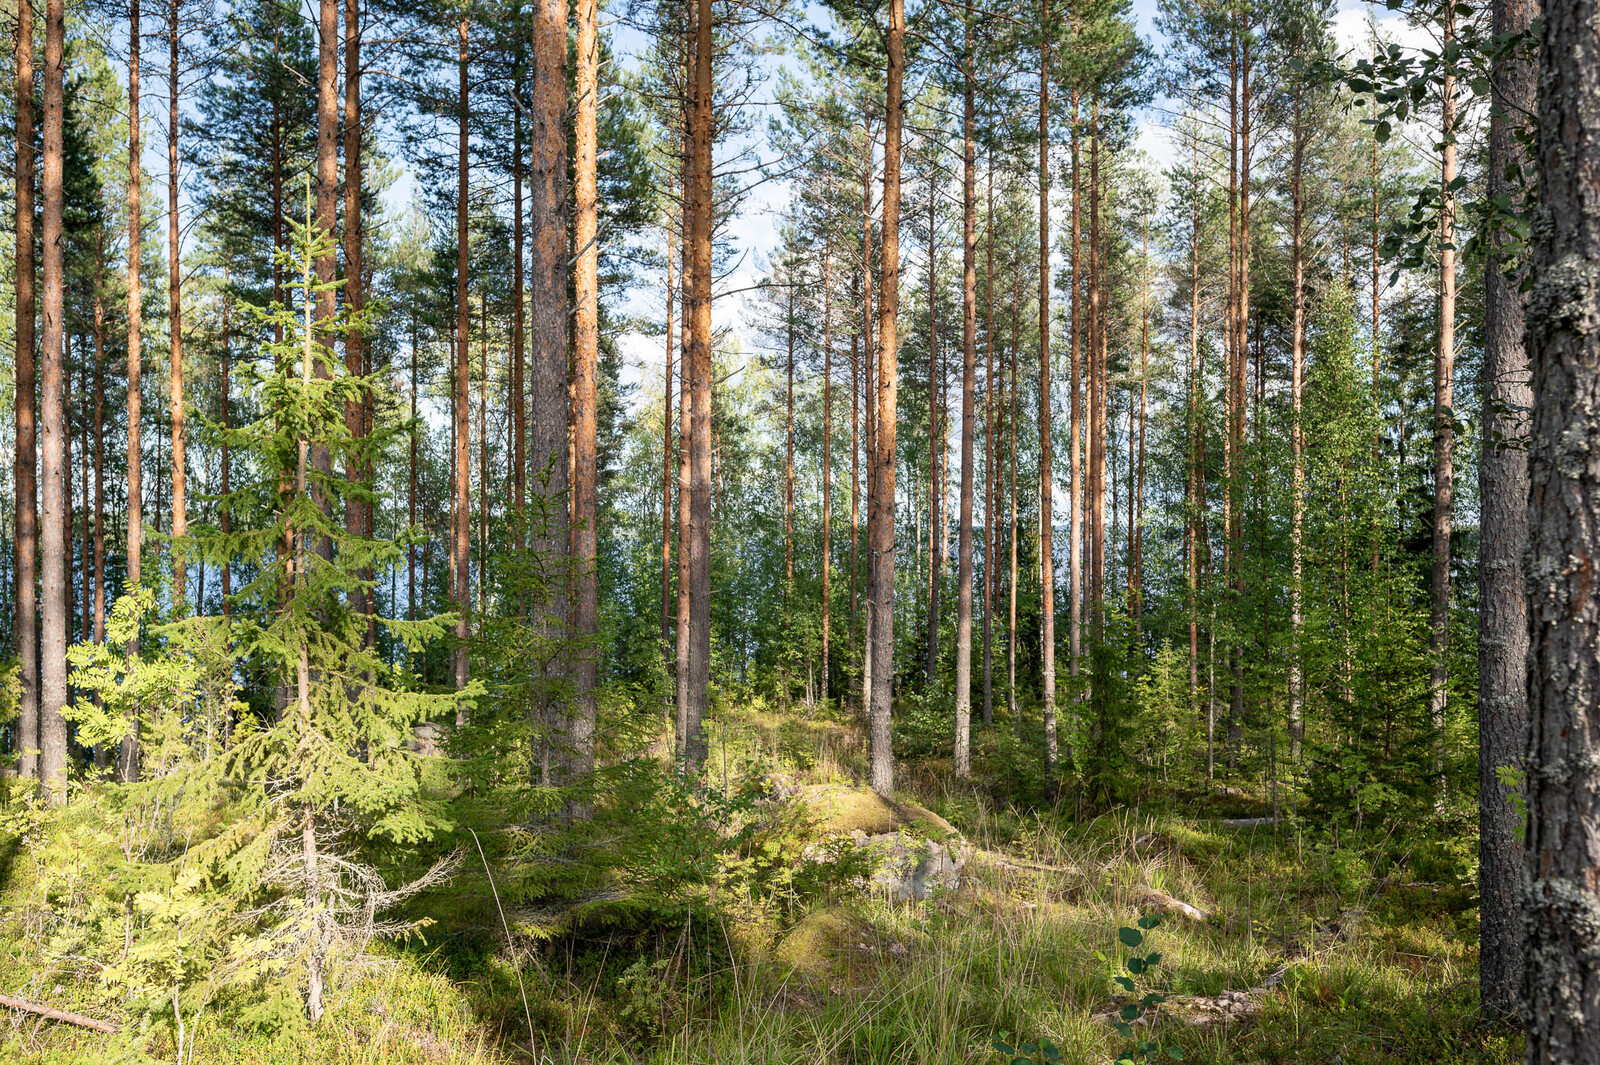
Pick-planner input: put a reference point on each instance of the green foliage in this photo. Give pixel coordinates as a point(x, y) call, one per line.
point(1139, 968)
point(1031, 1052)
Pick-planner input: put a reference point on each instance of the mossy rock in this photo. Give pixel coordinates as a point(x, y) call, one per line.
point(846, 811)
point(815, 947)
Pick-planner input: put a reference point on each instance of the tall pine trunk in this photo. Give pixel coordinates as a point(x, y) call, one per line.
point(461, 488)
point(128, 750)
point(666, 452)
point(969, 362)
point(881, 576)
point(358, 515)
point(26, 381)
point(827, 455)
point(1077, 496)
point(180, 519)
point(1443, 426)
point(55, 607)
point(586, 371)
point(693, 691)
point(1047, 559)
point(1297, 352)
point(1503, 537)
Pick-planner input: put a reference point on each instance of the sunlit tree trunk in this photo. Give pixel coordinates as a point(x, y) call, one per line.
point(180, 520)
point(1078, 496)
point(461, 488)
point(827, 455)
point(549, 322)
point(1047, 561)
point(26, 383)
point(991, 451)
point(1443, 426)
point(358, 515)
point(969, 362)
point(586, 372)
point(98, 608)
point(694, 692)
point(1011, 492)
point(882, 501)
point(128, 750)
point(666, 449)
point(55, 607)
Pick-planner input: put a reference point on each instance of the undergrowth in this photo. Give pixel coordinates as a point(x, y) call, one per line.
point(747, 937)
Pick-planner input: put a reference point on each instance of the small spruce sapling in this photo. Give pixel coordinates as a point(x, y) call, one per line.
point(335, 774)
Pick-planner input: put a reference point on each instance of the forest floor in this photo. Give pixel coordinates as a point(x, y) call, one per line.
point(1276, 946)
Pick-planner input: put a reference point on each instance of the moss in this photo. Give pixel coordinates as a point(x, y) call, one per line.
point(812, 947)
point(846, 810)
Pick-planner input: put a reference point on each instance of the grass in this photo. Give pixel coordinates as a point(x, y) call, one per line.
point(1375, 944)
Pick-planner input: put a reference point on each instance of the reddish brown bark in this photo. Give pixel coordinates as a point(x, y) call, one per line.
point(128, 753)
point(881, 533)
point(180, 518)
point(27, 503)
point(586, 369)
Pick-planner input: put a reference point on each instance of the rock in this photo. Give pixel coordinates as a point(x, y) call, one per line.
point(913, 869)
point(1161, 902)
point(915, 853)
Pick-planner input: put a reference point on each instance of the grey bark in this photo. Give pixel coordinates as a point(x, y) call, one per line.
point(1503, 536)
point(1561, 984)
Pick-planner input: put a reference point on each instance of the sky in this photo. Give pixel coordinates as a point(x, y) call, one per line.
point(756, 227)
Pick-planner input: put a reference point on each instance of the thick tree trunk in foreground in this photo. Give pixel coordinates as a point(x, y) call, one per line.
point(881, 577)
point(27, 502)
point(54, 486)
point(1561, 987)
point(1503, 536)
point(549, 321)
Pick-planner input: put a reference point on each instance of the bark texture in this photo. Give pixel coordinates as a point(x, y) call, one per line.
point(27, 502)
point(1561, 985)
point(881, 533)
point(697, 666)
point(969, 362)
point(586, 369)
point(1503, 536)
point(128, 751)
point(54, 485)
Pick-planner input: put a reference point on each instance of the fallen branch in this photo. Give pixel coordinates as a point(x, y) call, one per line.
point(1247, 822)
point(50, 1013)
